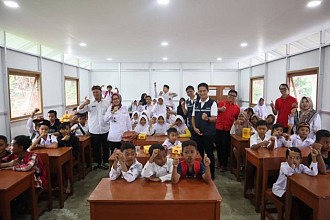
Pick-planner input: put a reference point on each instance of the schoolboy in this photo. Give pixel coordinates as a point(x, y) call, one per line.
point(54, 122)
point(81, 128)
point(302, 139)
point(3, 146)
point(322, 145)
point(45, 140)
point(171, 140)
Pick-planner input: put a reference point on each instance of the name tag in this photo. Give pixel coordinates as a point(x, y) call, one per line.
point(93, 106)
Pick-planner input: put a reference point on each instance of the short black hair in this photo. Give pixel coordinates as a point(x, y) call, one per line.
point(24, 141)
point(171, 130)
point(294, 149)
point(190, 87)
point(322, 133)
point(277, 125)
point(81, 115)
point(64, 125)
point(261, 123)
point(189, 143)
point(4, 138)
point(250, 110)
point(52, 112)
point(156, 146)
point(96, 88)
point(109, 86)
point(126, 146)
point(203, 85)
point(148, 96)
point(74, 109)
point(166, 86)
point(232, 91)
point(284, 84)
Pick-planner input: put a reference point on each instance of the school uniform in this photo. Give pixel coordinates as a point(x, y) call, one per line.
point(298, 142)
point(149, 109)
point(133, 172)
point(260, 111)
point(168, 97)
point(189, 107)
point(80, 130)
point(164, 173)
point(279, 186)
point(55, 126)
point(159, 128)
point(143, 129)
point(169, 144)
point(281, 142)
point(50, 139)
point(313, 119)
point(72, 142)
point(29, 126)
point(256, 139)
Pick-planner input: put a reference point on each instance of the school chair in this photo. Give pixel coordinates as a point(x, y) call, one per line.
point(271, 167)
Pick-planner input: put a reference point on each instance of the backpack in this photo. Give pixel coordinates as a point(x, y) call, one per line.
point(184, 168)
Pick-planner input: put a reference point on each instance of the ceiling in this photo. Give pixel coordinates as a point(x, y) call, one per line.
point(132, 30)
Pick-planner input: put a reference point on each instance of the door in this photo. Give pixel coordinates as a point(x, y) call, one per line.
point(220, 92)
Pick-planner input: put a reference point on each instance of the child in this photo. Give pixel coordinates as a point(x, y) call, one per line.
point(281, 139)
point(322, 145)
point(241, 122)
point(33, 132)
point(143, 126)
point(261, 138)
point(54, 122)
point(159, 167)
point(171, 140)
point(160, 127)
point(160, 107)
point(302, 139)
point(253, 121)
point(190, 167)
point(45, 140)
point(81, 128)
point(292, 166)
point(146, 113)
point(135, 119)
point(181, 127)
point(170, 115)
point(125, 164)
point(3, 146)
point(270, 121)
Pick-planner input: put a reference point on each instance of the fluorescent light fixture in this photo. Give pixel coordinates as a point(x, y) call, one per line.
point(83, 44)
point(109, 58)
point(219, 59)
point(11, 4)
point(164, 44)
point(164, 58)
point(244, 44)
point(314, 3)
point(163, 2)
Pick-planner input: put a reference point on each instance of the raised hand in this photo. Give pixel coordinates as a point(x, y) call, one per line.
point(272, 104)
point(207, 160)
point(87, 101)
point(314, 152)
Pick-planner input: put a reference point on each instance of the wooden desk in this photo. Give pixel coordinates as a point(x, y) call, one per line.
point(314, 191)
point(189, 199)
point(255, 158)
point(12, 184)
point(154, 140)
point(239, 143)
point(85, 153)
point(57, 158)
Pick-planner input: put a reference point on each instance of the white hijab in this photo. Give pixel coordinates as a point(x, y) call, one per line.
point(159, 109)
point(142, 128)
point(160, 128)
point(181, 129)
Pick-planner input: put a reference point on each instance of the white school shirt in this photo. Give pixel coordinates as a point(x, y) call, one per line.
point(159, 129)
point(214, 107)
point(297, 142)
point(255, 139)
point(149, 109)
point(168, 98)
point(49, 140)
point(77, 130)
point(281, 142)
point(133, 172)
point(314, 125)
point(119, 122)
point(159, 109)
point(164, 173)
point(169, 144)
point(279, 187)
point(96, 111)
point(260, 111)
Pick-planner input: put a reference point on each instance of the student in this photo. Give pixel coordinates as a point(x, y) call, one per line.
point(322, 145)
point(45, 140)
point(249, 112)
point(170, 115)
point(125, 164)
point(241, 122)
point(261, 109)
point(189, 167)
point(253, 121)
point(146, 113)
point(261, 138)
point(181, 127)
point(133, 107)
point(180, 110)
point(81, 128)
point(66, 139)
point(160, 107)
point(54, 122)
point(270, 119)
point(3, 146)
point(143, 99)
point(171, 140)
point(166, 94)
point(159, 167)
point(108, 94)
point(134, 119)
point(33, 131)
point(302, 139)
point(160, 127)
point(281, 139)
point(143, 127)
point(148, 105)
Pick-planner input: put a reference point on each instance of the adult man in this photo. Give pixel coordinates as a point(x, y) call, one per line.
point(284, 105)
point(166, 94)
point(228, 111)
point(98, 129)
point(189, 105)
point(204, 115)
point(149, 105)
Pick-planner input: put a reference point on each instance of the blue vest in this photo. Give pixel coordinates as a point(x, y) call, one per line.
point(190, 106)
point(206, 127)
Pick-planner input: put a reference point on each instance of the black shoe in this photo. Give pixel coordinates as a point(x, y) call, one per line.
point(97, 167)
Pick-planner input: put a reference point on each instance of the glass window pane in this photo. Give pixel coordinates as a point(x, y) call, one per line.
point(21, 44)
point(304, 86)
point(71, 92)
point(51, 53)
point(257, 90)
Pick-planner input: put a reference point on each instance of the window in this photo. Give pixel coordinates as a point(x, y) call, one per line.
point(303, 83)
point(256, 89)
point(24, 93)
point(71, 92)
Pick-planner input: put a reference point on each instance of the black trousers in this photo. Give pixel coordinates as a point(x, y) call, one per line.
point(114, 145)
point(205, 146)
point(100, 147)
point(223, 147)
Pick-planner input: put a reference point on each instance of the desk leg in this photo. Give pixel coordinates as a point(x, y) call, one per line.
point(60, 184)
point(288, 200)
point(82, 160)
point(71, 174)
point(258, 186)
point(5, 209)
point(34, 214)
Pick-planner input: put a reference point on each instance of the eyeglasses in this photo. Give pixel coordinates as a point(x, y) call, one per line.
point(233, 95)
point(282, 89)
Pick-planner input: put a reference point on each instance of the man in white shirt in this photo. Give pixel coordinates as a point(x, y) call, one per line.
point(149, 105)
point(167, 95)
point(98, 128)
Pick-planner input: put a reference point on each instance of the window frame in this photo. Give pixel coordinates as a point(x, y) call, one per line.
point(69, 78)
point(19, 72)
point(304, 72)
point(251, 88)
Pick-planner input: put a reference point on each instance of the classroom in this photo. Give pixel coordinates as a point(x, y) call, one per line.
point(157, 109)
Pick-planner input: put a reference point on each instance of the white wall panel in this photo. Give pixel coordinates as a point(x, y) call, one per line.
point(225, 78)
point(133, 84)
point(326, 88)
point(225, 65)
point(22, 61)
point(258, 70)
point(243, 94)
point(304, 60)
point(84, 83)
point(165, 66)
point(172, 79)
point(276, 76)
point(203, 66)
point(105, 65)
point(105, 78)
point(135, 66)
point(194, 78)
point(70, 71)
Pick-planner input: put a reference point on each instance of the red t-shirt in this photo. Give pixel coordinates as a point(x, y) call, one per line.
point(226, 119)
point(283, 107)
